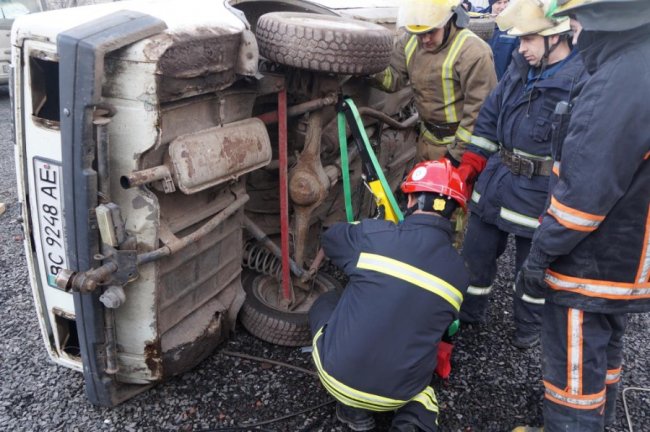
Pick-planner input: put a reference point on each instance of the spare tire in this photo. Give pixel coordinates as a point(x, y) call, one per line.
point(483, 27)
point(324, 43)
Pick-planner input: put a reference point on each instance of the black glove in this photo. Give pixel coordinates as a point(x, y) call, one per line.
point(530, 279)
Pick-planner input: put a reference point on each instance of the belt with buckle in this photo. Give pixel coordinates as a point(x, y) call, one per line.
point(441, 130)
point(526, 166)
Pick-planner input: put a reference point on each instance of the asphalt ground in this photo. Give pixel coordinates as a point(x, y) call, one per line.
point(493, 386)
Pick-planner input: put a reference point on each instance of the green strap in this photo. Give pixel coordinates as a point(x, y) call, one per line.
point(345, 165)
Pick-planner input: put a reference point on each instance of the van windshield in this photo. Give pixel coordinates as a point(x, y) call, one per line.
point(12, 9)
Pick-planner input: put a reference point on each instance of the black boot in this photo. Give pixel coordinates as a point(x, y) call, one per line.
point(525, 341)
point(407, 427)
point(356, 419)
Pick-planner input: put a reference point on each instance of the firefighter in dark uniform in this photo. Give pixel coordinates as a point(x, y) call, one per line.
point(375, 347)
point(511, 149)
point(590, 257)
point(502, 44)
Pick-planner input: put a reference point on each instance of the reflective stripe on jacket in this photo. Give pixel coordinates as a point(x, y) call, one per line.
point(598, 221)
point(520, 121)
point(406, 282)
point(449, 84)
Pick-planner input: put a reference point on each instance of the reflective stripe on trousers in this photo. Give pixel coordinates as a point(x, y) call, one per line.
point(581, 361)
point(359, 399)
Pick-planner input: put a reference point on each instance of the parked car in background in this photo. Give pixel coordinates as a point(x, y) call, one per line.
point(169, 161)
point(9, 10)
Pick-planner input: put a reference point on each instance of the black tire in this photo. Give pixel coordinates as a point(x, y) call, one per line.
point(483, 27)
point(269, 323)
point(324, 43)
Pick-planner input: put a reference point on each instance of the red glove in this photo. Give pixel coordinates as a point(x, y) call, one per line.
point(443, 368)
point(471, 166)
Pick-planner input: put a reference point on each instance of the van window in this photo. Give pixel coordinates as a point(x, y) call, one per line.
point(9, 10)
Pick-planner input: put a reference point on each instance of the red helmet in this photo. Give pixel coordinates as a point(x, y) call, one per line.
point(438, 177)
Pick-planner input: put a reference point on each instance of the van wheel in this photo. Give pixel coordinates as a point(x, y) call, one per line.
point(483, 27)
point(324, 43)
point(264, 317)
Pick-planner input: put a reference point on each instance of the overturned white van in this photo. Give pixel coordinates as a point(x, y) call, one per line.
point(162, 146)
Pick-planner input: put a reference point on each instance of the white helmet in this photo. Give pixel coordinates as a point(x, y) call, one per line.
point(529, 17)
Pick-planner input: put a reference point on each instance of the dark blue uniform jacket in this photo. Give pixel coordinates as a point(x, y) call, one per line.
point(502, 45)
point(518, 116)
point(383, 335)
point(598, 222)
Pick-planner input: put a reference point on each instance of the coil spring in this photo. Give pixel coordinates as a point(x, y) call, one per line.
point(260, 259)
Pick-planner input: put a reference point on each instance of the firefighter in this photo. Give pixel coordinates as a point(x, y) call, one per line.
point(451, 71)
point(375, 346)
point(502, 44)
point(590, 257)
point(511, 149)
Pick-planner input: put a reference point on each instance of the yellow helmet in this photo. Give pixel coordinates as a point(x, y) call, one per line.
point(422, 16)
point(528, 17)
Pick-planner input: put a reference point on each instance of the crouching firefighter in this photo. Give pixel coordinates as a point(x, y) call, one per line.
point(375, 345)
point(511, 149)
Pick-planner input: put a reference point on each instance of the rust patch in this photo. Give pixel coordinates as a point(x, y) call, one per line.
point(236, 150)
point(184, 357)
point(153, 357)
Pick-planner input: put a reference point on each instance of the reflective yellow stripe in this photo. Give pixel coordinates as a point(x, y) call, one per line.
point(479, 291)
point(427, 397)
point(409, 49)
point(358, 399)
point(413, 275)
point(448, 91)
point(484, 144)
point(463, 134)
point(387, 82)
point(518, 218)
point(433, 139)
point(347, 394)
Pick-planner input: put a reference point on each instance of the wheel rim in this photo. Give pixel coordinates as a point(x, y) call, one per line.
point(267, 291)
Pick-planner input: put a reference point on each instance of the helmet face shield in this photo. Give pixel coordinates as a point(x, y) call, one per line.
point(422, 16)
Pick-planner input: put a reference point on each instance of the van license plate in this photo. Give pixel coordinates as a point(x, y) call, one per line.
point(50, 218)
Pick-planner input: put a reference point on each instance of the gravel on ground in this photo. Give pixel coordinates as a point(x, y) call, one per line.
point(493, 386)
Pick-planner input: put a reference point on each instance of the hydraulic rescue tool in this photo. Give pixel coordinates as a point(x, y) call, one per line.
point(373, 176)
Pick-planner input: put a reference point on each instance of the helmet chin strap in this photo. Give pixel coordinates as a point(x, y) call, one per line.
point(548, 49)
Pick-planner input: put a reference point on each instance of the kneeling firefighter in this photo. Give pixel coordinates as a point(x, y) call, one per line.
point(511, 149)
point(375, 345)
